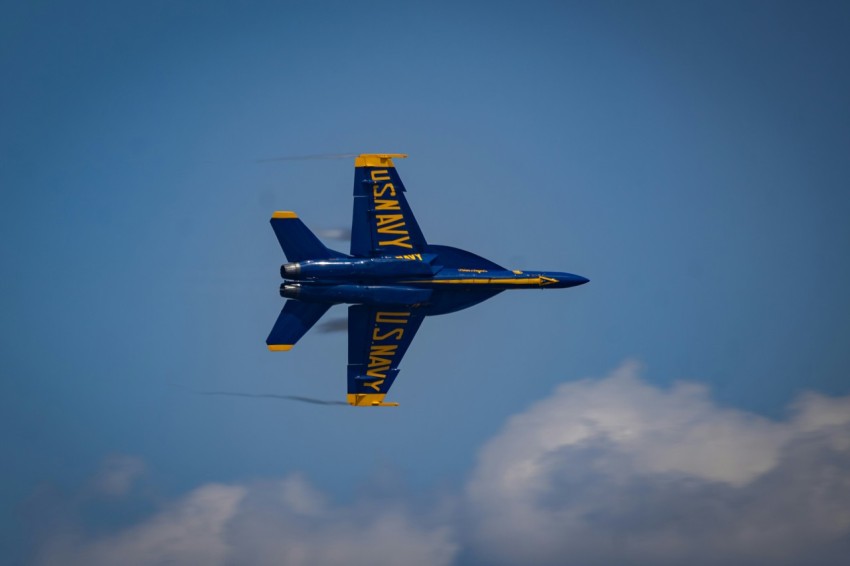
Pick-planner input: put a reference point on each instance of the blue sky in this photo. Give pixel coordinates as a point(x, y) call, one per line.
point(691, 159)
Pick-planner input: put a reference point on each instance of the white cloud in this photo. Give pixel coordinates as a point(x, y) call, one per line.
point(606, 471)
point(281, 522)
point(290, 522)
point(188, 531)
point(617, 470)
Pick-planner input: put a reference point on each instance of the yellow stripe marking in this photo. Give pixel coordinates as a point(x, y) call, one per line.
point(284, 214)
point(490, 281)
point(280, 347)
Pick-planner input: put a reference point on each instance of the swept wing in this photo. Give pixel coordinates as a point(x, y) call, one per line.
point(382, 224)
point(377, 340)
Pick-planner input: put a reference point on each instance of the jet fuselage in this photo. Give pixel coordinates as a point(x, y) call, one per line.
point(403, 280)
point(392, 278)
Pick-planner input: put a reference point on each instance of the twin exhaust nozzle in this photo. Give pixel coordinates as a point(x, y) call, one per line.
point(290, 291)
point(290, 270)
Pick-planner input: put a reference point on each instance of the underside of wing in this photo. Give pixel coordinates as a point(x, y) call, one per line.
point(382, 223)
point(377, 340)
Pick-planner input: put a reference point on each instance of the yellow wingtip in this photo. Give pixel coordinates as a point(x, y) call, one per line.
point(369, 400)
point(280, 347)
point(284, 214)
point(377, 159)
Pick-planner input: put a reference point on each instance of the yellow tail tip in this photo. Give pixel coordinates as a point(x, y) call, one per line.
point(284, 214)
point(280, 347)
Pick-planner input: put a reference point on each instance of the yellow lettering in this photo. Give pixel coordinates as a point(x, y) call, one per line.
point(382, 204)
point(392, 318)
point(383, 350)
point(376, 372)
point(378, 361)
point(379, 192)
point(382, 355)
point(387, 218)
point(400, 242)
point(380, 175)
point(397, 228)
point(378, 337)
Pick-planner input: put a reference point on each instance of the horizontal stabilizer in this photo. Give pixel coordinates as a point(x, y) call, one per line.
point(296, 240)
point(295, 319)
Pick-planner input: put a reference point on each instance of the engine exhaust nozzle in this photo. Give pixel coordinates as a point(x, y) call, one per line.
point(290, 270)
point(290, 291)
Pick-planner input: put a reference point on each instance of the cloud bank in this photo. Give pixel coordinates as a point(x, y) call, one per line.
point(620, 471)
point(604, 471)
point(275, 522)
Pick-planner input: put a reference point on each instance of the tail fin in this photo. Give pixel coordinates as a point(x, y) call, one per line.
point(296, 240)
point(295, 320)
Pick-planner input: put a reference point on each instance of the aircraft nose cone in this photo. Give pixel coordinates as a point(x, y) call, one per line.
point(563, 280)
point(571, 280)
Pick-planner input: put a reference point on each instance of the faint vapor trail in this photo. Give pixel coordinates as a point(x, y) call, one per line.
point(273, 396)
point(334, 233)
point(334, 325)
point(309, 157)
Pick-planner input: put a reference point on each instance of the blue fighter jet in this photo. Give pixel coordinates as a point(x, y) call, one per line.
point(392, 278)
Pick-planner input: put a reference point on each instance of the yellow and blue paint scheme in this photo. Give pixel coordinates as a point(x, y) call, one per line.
point(392, 278)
